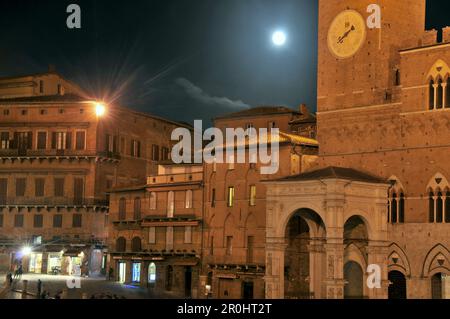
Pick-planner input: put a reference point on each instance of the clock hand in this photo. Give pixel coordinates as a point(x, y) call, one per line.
point(346, 34)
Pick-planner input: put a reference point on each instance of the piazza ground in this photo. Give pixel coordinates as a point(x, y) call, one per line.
point(90, 286)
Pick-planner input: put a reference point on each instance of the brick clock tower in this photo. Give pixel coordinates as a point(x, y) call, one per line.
point(357, 65)
point(359, 75)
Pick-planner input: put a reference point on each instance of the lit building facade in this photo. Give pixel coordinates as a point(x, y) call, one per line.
point(59, 153)
point(234, 244)
point(155, 232)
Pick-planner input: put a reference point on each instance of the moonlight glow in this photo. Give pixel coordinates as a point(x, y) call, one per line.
point(279, 38)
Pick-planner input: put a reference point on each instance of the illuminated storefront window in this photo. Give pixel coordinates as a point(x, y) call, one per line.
point(152, 273)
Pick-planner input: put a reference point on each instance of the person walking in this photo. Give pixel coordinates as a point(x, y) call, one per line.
point(20, 271)
point(39, 288)
point(110, 273)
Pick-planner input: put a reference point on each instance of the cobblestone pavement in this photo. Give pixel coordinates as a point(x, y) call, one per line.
point(90, 286)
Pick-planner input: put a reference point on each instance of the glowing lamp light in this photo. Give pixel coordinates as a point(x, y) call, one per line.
point(26, 251)
point(279, 38)
point(100, 109)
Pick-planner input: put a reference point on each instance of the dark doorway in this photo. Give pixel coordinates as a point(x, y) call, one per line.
point(3, 191)
point(296, 285)
point(353, 275)
point(436, 286)
point(188, 282)
point(397, 288)
point(247, 289)
point(169, 278)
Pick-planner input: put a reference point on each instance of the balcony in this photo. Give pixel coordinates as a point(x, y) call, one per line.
point(65, 241)
point(42, 202)
point(13, 154)
point(175, 178)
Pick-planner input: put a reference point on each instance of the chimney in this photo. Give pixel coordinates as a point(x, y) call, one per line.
point(446, 35)
point(304, 109)
point(51, 68)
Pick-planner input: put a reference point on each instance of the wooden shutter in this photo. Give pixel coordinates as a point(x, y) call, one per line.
point(54, 139)
point(3, 190)
point(68, 140)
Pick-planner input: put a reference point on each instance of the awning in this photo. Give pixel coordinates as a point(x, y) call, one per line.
point(185, 263)
point(73, 252)
point(227, 276)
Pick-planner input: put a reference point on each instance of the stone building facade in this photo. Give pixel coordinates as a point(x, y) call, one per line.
point(235, 204)
point(383, 110)
point(155, 233)
point(58, 156)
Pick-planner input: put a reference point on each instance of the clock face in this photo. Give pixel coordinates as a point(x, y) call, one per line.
point(347, 34)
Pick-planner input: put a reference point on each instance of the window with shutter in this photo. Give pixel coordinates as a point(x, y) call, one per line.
point(42, 141)
point(59, 187)
point(39, 187)
point(18, 221)
point(20, 187)
point(3, 191)
point(57, 221)
point(77, 221)
point(38, 221)
point(80, 140)
point(4, 140)
point(68, 141)
point(78, 189)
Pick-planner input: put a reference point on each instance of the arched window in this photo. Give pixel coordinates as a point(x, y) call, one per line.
point(397, 77)
point(137, 208)
point(122, 209)
point(394, 208)
point(152, 200)
point(170, 204)
point(188, 198)
point(152, 273)
point(121, 245)
point(401, 209)
point(136, 245)
point(439, 208)
point(440, 94)
point(431, 95)
point(431, 207)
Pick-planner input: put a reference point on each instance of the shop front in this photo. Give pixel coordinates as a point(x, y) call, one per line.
point(122, 271)
point(136, 273)
point(35, 265)
point(54, 263)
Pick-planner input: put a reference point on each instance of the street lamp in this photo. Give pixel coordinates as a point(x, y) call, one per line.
point(26, 251)
point(100, 109)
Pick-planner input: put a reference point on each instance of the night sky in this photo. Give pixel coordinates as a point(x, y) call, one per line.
point(179, 59)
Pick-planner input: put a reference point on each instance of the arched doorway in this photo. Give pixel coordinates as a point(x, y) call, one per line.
point(356, 240)
point(397, 288)
point(303, 227)
point(354, 277)
point(436, 286)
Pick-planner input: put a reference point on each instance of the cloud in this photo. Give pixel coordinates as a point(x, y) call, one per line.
point(198, 94)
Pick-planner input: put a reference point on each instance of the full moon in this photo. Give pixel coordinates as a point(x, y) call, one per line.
point(279, 38)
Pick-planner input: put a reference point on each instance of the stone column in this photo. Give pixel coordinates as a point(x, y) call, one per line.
point(317, 257)
point(335, 282)
point(334, 246)
point(144, 274)
point(274, 278)
point(377, 255)
point(444, 95)
point(129, 272)
point(435, 86)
